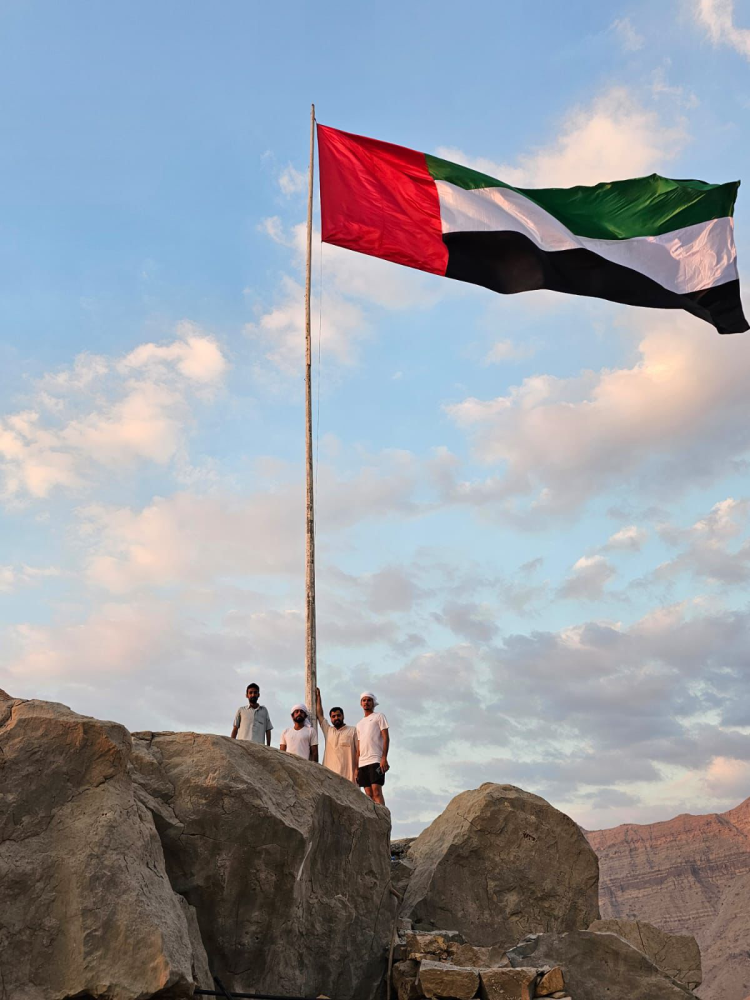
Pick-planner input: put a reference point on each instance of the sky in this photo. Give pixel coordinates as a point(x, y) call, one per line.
point(533, 511)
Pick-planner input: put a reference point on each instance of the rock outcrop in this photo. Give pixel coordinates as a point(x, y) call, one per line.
point(726, 947)
point(498, 864)
point(129, 866)
point(598, 965)
point(672, 874)
point(280, 857)
point(677, 955)
point(678, 875)
point(87, 907)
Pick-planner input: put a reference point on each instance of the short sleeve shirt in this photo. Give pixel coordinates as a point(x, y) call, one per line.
point(299, 741)
point(370, 736)
point(252, 723)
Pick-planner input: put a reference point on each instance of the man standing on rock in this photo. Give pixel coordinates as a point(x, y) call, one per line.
point(300, 739)
point(373, 745)
point(341, 741)
point(252, 721)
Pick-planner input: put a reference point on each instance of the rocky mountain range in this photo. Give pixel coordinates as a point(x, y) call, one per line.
point(690, 874)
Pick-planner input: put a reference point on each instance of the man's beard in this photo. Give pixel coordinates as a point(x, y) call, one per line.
point(338, 723)
point(253, 699)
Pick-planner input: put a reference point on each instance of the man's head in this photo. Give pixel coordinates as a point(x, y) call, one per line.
point(253, 693)
point(368, 701)
point(299, 715)
point(337, 717)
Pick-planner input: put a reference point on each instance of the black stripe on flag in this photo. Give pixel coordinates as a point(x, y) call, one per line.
point(510, 262)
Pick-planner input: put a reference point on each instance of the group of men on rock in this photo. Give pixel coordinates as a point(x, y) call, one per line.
point(358, 753)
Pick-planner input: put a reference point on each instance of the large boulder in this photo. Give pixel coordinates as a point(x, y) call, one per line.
point(134, 867)
point(86, 907)
point(598, 965)
point(676, 954)
point(498, 864)
point(285, 862)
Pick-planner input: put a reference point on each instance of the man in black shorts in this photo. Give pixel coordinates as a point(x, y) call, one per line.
point(373, 745)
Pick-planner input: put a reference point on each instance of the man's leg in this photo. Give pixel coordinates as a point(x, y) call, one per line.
point(368, 791)
point(377, 794)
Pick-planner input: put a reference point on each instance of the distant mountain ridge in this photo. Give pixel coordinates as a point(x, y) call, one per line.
point(682, 875)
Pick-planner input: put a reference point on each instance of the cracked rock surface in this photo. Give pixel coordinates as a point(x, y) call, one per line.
point(500, 863)
point(131, 865)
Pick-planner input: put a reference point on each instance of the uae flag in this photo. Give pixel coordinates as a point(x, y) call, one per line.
point(650, 241)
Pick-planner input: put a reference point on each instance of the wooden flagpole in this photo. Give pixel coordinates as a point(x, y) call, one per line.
point(310, 636)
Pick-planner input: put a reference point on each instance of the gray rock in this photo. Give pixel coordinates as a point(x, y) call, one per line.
point(440, 979)
point(676, 954)
point(132, 868)
point(500, 863)
point(599, 965)
point(86, 907)
point(279, 857)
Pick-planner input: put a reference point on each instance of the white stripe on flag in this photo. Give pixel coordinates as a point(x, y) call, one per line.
point(682, 261)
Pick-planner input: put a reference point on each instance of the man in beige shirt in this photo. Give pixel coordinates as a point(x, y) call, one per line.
point(341, 741)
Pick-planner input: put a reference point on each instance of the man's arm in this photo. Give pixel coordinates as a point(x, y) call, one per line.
point(384, 765)
point(236, 726)
point(268, 737)
point(356, 755)
point(269, 727)
point(234, 732)
point(319, 706)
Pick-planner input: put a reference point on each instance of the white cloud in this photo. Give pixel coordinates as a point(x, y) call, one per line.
point(507, 350)
point(588, 578)
point(13, 578)
point(614, 137)
point(629, 537)
point(718, 17)
point(189, 538)
point(292, 181)
point(727, 778)
point(630, 39)
point(107, 413)
point(672, 419)
point(708, 550)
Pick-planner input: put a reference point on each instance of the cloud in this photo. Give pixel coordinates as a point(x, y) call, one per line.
point(673, 419)
point(108, 414)
point(588, 579)
point(13, 578)
point(629, 537)
point(506, 350)
point(347, 287)
point(292, 181)
point(718, 17)
point(630, 39)
point(727, 778)
point(194, 538)
point(613, 137)
point(707, 553)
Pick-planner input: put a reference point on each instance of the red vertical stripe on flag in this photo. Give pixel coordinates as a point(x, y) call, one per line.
point(379, 199)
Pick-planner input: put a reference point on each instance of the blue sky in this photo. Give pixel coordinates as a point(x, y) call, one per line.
point(533, 510)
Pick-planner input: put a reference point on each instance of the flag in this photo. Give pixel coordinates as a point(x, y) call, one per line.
point(649, 241)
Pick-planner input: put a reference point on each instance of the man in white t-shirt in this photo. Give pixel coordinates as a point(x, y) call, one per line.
point(300, 738)
point(373, 745)
point(252, 721)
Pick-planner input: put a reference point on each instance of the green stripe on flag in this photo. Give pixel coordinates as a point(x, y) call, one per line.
point(619, 210)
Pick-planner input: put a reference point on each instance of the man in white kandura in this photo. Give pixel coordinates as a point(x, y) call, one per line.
point(300, 738)
point(252, 721)
point(374, 743)
point(341, 741)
